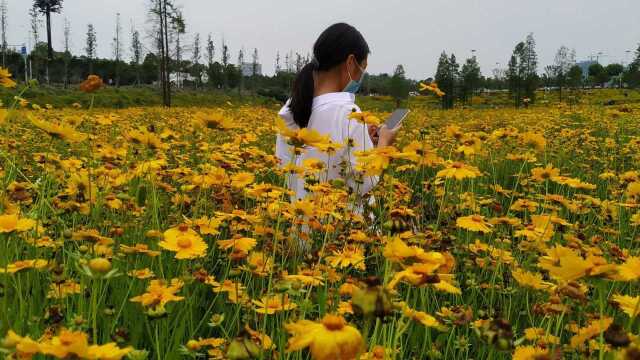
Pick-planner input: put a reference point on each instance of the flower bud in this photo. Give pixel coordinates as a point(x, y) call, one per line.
point(100, 265)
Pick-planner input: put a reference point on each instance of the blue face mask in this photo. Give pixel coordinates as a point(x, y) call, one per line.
point(353, 86)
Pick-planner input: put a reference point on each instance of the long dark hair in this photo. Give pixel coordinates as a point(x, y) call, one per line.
point(332, 48)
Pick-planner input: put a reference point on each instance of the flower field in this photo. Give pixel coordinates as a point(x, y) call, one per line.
point(169, 233)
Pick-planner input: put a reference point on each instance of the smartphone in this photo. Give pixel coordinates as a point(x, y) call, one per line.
point(396, 118)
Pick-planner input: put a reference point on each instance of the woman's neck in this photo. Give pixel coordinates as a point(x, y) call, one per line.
point(327, 82)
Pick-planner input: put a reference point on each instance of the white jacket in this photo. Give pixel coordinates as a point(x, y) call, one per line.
point(329, 116)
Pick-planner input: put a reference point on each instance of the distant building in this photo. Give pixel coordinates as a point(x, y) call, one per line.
point(247, 69)
point(584, 66)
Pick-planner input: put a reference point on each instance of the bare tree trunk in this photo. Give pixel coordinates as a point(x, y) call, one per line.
point(166, 58)
point(560, 87)
point(49, 47)
point(162, 54)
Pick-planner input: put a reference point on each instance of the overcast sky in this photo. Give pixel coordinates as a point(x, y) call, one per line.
point(408, 32)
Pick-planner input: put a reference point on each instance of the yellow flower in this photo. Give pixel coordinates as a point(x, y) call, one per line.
point(349, 256)
point(242, 245)
point(234, 290)
point(529, 279)
point(540, 174)
point(213, 120)
point(24, 347)
point(158, 294)
point(540, 336)
point(564, 264)
point(433, 87)
point(630, 269)
point(91, 84)
point(534, 139)
point(633, 189)
point(259, 263)
point(330, 339)
point(421, 317)
point(397, 250)
point(139, 249)
point(12, 222)
point(595, 328)
point(475, 223)
point(629, 304)
point(185, 242)
point(67, 344)
point(365, 118)
point(299, 138)
point(58, 130)
point(141, 274)
point(64, 289)
point(458, 171)
point(24, 264)
point(269, 305)
point(524, 204)
point(146, 138)
point(530, 353)
point(109, 351)
point(242, 179)
point(5, 78)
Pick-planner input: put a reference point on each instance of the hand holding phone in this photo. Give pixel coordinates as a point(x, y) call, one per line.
point(396, 118)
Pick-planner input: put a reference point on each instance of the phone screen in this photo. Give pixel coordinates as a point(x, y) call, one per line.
point(396, 118)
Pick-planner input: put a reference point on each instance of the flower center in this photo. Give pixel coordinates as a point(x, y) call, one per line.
point(333, 322)
point(456, 165)
point(184, 242)
point(476, 218)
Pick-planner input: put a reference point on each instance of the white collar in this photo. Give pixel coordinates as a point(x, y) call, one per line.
point(334, 97)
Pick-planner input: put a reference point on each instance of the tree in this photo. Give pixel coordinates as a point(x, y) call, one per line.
point(254, 62)
point(632, 75)
point(136, 53)
point(597, 74)
point(225, 63)
point(47, 7)
point(164, 17)
point(574, 77)
point(529, 63)
point(35, 26)
point(240, 62)
point(522, 75)
point(178, 27)
point(91, 46)
point(67, 51)
point(211, 51)
point(117, 48)
point(515, 74)
point(614, 71)
point(399, 86)
point(3, 30)
point(277, 65)
point(562, 64)
point(35, 33)
point(195, 59)
point(446, 77)
point(470, 76)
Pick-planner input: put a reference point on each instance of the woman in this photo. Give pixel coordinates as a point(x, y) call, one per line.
point(322, 99)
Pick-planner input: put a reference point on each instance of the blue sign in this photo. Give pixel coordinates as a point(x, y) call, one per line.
point(23, 51)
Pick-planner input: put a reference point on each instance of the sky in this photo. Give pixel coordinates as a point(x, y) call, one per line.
point(408, 32)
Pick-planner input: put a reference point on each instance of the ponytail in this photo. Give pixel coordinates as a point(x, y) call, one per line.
point(302, 95)
point(332, 48)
